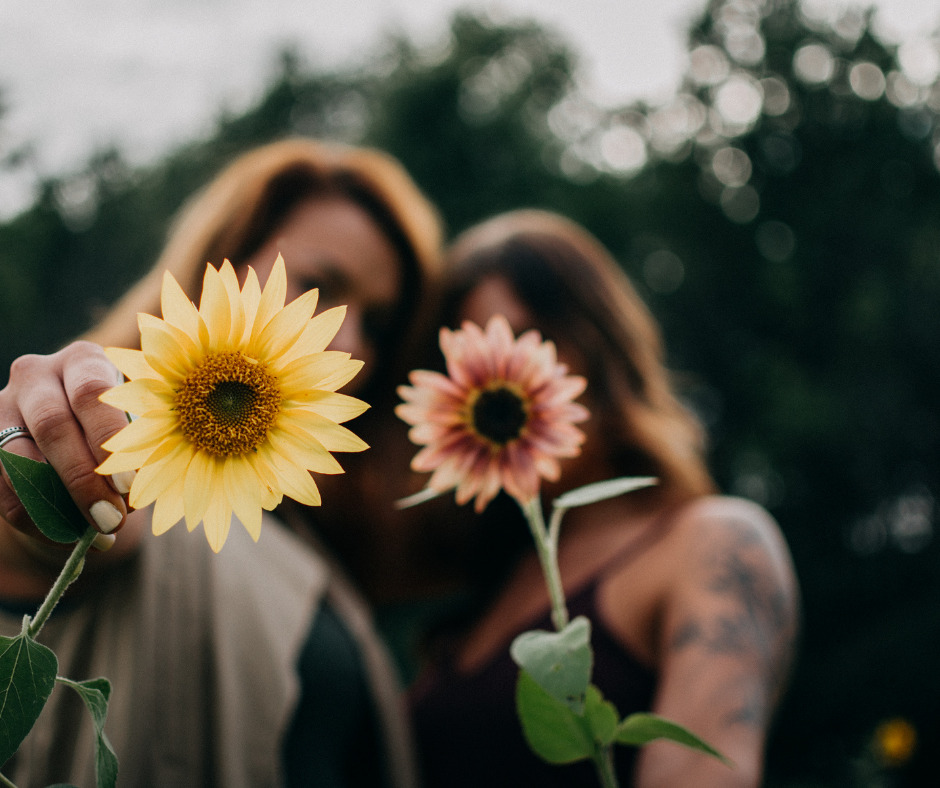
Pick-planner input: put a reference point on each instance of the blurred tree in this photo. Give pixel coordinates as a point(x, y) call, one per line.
point(780, 215)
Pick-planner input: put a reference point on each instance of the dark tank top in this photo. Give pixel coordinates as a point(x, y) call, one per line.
point(465, 723)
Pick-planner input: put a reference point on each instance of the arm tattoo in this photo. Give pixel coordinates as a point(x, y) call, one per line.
point(754, 619)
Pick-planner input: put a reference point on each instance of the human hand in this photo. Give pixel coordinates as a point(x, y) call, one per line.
point(55, 397)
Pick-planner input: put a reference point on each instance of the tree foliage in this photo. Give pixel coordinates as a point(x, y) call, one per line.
point(780, 215)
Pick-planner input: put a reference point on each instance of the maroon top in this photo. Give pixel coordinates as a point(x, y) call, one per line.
point(466, 726)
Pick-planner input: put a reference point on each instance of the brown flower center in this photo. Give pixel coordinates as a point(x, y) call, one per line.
point(499, 413)
point(227, 404)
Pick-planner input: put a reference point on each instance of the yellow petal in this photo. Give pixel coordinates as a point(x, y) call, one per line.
point(295, 481)
point(217, 521)
point(139, 396)
point(310, 372)
point(167, 463)
point(333, 436)
point(341, 376)
point(270, 493)
point(177, 309)
point(125, 461)
point(215, 309)
point(243, 491)
point(168, 508)
point(199, 488)
point(230, 281)
point(284, 329)
point(300, 446)
point(319, 332)
point(329, 404)
point(145, 431)
point(272, 297)
point(167, 349)
point(251, 296)
point(132, 363)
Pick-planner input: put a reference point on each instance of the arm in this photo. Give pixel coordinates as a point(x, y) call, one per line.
point(726, 641)
point(56, 398)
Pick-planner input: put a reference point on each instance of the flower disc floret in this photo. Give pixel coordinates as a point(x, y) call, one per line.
point(227, 404)
point(236, 403)
point(498, 413)
point(500, 419)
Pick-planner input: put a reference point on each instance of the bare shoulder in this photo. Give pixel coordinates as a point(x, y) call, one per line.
point(721, 531)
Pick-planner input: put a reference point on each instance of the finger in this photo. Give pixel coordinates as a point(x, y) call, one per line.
point(49, 416)
point(85, 379)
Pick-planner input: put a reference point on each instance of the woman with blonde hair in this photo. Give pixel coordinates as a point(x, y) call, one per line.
point(691, 594)
point(259, 665)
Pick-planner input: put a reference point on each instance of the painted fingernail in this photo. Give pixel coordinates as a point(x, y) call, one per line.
point(103, 542)
point(123, 481)
point(106, 516)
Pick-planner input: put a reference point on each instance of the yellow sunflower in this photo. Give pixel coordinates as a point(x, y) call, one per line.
point(236, 402)
point(500, 419)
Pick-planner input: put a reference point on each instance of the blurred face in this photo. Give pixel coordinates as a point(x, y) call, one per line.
point(332, 244)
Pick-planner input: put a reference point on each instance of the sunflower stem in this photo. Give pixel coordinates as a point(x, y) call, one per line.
point(546, 546)
point(7, 782)
point(68, 575)
point(604, 763)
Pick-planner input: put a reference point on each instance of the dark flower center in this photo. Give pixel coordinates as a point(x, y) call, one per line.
point(499, 414)
point(227, 404)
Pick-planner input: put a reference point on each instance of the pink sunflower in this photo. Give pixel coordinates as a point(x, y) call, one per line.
point(500, 419)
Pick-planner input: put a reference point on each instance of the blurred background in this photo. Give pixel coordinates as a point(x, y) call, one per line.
point(765, 170)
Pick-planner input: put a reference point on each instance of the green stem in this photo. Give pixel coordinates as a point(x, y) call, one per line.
point(604, 762)
point(6, 782)
point(546, 546)
point(68, 575)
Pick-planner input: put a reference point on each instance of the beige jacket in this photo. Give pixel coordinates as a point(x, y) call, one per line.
point(201, 652)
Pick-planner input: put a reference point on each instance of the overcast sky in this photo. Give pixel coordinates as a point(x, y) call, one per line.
point(145, 74)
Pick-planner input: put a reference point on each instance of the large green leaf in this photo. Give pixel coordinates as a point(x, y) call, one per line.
point(640, 729)
point(554, 732)
point(45, 498)
point(95, 693)
point(559, 662)
point(27, 676)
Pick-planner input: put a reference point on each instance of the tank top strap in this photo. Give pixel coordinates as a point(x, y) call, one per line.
point(634, 549)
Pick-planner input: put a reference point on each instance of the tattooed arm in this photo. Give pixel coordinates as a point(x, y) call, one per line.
point(725, 642)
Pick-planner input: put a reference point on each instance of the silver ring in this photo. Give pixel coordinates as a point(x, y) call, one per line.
point(12, 433)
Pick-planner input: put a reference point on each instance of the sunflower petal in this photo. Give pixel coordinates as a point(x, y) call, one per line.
point(177, 309)
point(272, 298)
point(132, 363)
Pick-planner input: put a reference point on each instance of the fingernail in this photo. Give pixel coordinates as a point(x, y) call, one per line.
point(106, 516)
point(103, 542)
point(122, 481)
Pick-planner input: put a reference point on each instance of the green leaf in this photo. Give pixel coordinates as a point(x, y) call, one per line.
point(27, 676)
point(95, 693)
point(639, 729)
point(554, 732)
point(601, 716)
point(45, 498)
point(591, 493)
point(559, 662)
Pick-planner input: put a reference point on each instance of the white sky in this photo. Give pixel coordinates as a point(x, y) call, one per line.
point(146, 74)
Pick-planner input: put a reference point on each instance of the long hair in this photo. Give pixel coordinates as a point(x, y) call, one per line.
point(232, 216)
point(579, 294)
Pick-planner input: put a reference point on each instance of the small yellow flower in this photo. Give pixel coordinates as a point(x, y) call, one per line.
point(895, 741)
point(500, 419)
point(236, 400)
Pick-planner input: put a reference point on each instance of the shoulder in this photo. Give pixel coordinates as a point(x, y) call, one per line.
point(716, 531)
